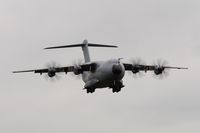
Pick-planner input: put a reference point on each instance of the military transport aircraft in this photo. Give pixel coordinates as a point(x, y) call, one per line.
point(101, 74)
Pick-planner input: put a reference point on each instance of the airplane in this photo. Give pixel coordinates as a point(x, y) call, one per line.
point(100, 74)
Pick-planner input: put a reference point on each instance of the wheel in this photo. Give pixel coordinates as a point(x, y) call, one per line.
point(90, 90)
point(116, 89)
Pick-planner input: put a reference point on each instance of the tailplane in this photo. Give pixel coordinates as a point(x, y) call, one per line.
point(85, 49)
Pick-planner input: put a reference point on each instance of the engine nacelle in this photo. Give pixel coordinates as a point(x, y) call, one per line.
point(135, 70)
point(51, 73)
point(159, 70)
point(78, 70)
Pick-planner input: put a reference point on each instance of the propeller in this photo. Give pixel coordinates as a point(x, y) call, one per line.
point(160, 71)
point(77, 68)
point(51, 74)
point(136, 62)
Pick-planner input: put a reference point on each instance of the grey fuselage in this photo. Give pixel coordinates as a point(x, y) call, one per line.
point(106, 73)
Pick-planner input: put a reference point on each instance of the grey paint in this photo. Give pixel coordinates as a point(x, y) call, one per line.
point(149, 29)
point(86, 51)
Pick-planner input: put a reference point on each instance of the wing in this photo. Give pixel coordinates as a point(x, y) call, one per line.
point(76, 69)
point(46, 70)
point(137, 68)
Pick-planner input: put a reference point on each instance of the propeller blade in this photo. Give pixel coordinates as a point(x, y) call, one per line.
point(52, 76)
point(160, 71)
point(77, 64)
point(136, 62)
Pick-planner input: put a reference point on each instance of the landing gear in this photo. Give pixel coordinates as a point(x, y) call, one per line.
point(117, 85)
point(116, 89)
point(90, 90)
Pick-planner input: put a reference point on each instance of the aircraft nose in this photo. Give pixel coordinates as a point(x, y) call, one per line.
point(117, 69)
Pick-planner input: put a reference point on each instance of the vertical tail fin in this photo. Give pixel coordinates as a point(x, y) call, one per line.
point(86, 51)
point(85, 48)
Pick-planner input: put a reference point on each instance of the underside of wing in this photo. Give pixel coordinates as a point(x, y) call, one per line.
point(157, 69)
point(51, 71)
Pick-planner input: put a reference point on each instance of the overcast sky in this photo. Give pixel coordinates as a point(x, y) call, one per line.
point(149, 29)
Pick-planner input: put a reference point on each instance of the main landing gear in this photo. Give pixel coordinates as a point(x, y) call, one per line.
point(90, 90)
point(116, 89)
point(117, 85)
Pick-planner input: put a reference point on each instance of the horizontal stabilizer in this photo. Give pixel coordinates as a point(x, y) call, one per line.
point(84, 47)
point(81, 45)
point(101, 45)
point(23, 71)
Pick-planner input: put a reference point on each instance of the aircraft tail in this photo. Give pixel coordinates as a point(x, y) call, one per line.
point(85, 49)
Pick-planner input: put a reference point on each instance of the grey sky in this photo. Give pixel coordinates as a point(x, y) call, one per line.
point(149, 29)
